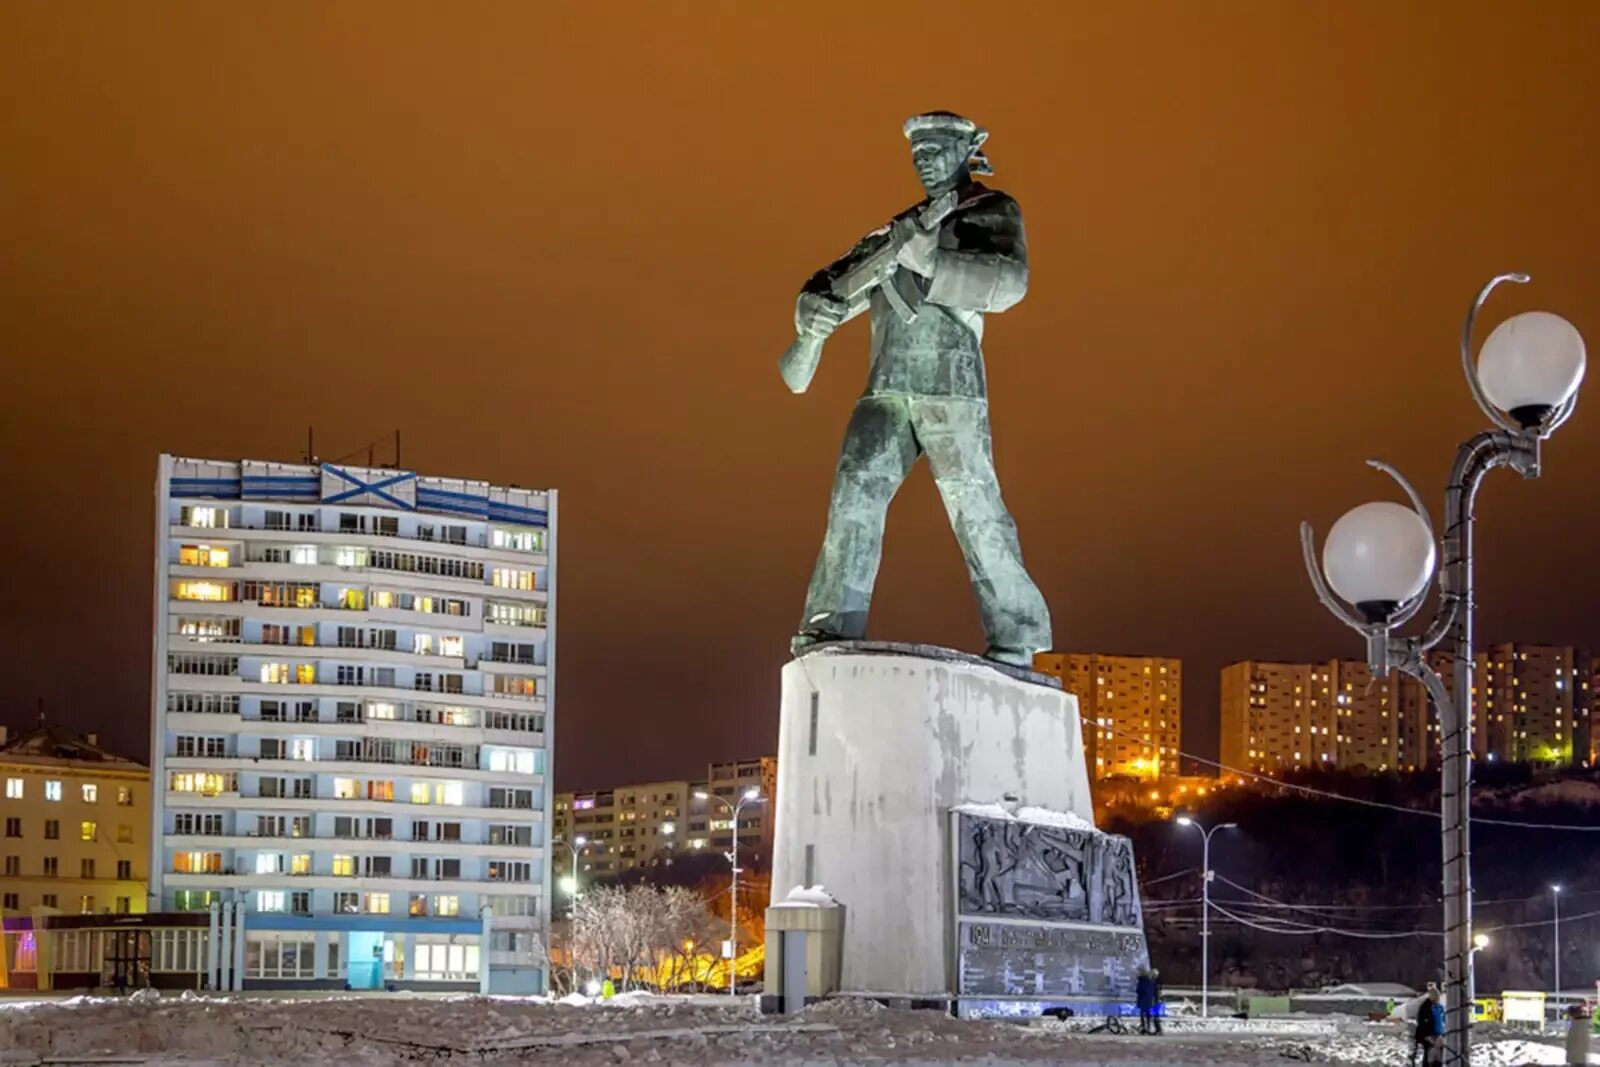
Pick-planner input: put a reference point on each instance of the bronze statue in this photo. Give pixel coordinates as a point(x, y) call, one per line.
point(928, 278)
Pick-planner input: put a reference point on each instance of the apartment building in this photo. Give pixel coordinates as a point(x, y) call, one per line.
point(76, 825)
point(649, 823)
point(1131, 708)
point(1531, 705)
point(351, 711)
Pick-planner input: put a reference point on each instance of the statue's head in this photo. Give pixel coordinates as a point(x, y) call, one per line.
point(945, 149)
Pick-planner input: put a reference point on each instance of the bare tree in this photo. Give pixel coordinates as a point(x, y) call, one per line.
point(641, 936)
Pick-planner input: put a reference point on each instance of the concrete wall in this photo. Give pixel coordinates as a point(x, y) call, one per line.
point(898, 740)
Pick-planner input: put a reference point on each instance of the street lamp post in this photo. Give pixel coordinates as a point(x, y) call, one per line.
point(1555, 897)
point(750, 796)
point(1205, 908)
point(576, 847)
point(1379, 558)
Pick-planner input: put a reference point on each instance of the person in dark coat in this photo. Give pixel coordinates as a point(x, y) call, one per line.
point(1429, 1035)
point(1145, 994)
point(1155, 999)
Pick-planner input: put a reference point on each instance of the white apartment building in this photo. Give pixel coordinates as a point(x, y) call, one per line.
point(352, 699)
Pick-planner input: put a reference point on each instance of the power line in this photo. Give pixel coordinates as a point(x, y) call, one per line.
point(1293, 929)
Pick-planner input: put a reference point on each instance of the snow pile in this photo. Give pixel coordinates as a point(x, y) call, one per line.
point(366, 1030)
point(1037, 816)
point(813, 897)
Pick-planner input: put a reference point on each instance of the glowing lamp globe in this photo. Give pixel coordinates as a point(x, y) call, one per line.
point(1531, 364)
point(1378, 556)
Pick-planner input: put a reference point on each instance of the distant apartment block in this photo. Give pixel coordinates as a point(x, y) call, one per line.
point(350, 723)
point(1532, 705)
point(77, 825)
point(1131, 708)
point(648, 824)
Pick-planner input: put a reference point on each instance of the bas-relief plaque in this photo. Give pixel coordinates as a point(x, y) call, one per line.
point(1045, 911)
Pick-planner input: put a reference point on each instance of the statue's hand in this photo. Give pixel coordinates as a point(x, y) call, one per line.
point(818, 314)
point(917, 247)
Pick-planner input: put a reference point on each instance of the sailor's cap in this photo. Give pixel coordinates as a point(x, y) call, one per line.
point(941, 121)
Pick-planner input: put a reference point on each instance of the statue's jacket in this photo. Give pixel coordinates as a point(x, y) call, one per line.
point(981, 266)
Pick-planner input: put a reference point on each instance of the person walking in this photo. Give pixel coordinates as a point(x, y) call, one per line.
point(1145, 994)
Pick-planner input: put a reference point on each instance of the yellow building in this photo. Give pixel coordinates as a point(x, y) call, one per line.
point(1131, 708)
point(74, 825)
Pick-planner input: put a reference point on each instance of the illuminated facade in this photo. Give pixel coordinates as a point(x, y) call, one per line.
point(1131, 708)
point(1532, 706)
point(76, 825)
point(351, 713)
point(646, 824)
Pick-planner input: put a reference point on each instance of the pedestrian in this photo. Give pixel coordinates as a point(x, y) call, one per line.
point(1578, 1034)
point(1428, 1037)
point(1155, 999)
point(1145, 994)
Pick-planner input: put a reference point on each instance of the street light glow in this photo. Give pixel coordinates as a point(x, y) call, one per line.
point(752, 793)
point(580, 840)
point(701, 794)
point(1556, 888)
point(1480, 941)
point(1184, 820)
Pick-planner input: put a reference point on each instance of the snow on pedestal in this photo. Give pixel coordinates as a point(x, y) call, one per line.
point(877, 743)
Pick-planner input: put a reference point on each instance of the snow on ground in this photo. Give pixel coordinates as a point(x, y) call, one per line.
point(367, 1031)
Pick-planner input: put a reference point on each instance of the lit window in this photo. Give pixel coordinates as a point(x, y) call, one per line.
point(351, 557)
point(305, 673)
point(344, 866)
point(13, 788)
point(344, 789)
point(419, 792)
point(197, 862)
point(509, 578)
point(304, 748)
point(270, 900)
point(91, 793)
point(268, 863)
point(205, 591)
point(377, 903)
point(446, 905)
point(203, 556)
point(447, 793)
point(52, 790)
point(204, 518)
point(89, 830)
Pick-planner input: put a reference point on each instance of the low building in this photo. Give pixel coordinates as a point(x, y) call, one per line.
point(76, 825)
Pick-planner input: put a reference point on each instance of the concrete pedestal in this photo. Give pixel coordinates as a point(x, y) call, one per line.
point(876, 744)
